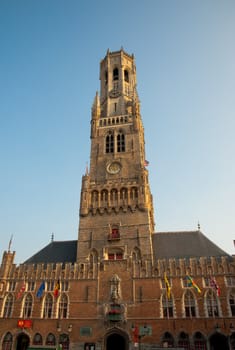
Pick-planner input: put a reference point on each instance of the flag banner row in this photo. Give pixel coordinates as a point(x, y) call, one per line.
point(191, 283)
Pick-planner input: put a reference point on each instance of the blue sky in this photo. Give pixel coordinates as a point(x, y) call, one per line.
point(49, 74)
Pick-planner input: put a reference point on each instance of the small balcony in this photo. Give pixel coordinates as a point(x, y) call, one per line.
point(114, 317)
point(115, 313)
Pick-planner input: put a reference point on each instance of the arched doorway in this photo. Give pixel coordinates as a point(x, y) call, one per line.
point(22, 342)
point(116, 341)
point(218, 341)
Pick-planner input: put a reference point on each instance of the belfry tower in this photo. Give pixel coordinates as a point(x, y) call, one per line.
point(116, 209)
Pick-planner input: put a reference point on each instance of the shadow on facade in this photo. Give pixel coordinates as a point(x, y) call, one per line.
point(116, 340)
point(22, 342)
point(218, 342)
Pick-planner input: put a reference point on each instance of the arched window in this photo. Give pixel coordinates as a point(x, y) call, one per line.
point(109, 145)
point(115, 74)
point(8, 307)
point(28, 305)
point(232, 341)
point(183, 341)
point(126, 75)
point(94, 198)
point(232, 303)
point(167, 306)
point(50, 339)
point(123, 194)
point(167, 340)
point(113, 196)
point(37, 339)
point(212, 304)
point(134, 193)
point(120, 142)
point(63, 306)
point(199, 341)
point(48, 306)
point(64, 341)
point(189, 304)
point(7, 342)
point(136, 255)
point(104, 198)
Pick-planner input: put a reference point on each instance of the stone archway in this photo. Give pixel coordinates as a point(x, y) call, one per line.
point(22, 341)
point(116, 341)
point(218, 341)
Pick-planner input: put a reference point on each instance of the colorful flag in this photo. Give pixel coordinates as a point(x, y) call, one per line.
point(136, 334)
point(57, 288)
point(168, 287)
point(146, 162)
point(215, 286)
point(191, 283)
point(21, 291)
point(41, 290)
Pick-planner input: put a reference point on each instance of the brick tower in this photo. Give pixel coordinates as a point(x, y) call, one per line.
point(116, 209)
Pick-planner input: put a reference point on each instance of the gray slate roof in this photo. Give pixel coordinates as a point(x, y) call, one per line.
point(61, 251)
point(184, 244)
point(166, 245)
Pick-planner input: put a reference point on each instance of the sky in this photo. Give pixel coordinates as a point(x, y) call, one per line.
point(49, 74)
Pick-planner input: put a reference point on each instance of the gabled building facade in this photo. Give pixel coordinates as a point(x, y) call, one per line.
point(121, 285)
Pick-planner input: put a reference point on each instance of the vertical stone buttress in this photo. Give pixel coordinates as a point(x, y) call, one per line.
point(7, 263)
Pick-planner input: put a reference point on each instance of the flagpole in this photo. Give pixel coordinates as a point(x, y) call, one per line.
point(9, 244)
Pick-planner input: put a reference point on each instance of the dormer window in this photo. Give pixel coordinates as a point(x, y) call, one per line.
point(115, 74)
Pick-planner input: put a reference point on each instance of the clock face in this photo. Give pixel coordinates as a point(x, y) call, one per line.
point(113, 168)
point(114, 93)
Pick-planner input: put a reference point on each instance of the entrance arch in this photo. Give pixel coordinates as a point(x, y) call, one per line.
point(218, 341)
point(22, 341)
point(116, 341)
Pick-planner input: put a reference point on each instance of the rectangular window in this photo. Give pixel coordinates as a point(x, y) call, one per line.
point(12, 286)
point(64, 286)
point(31, 285)
point(85, 331)
point(119, 256)
point(168, 312)
point(230, 281)
point(190, 311)
point(115, 233)
point(50, 286)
